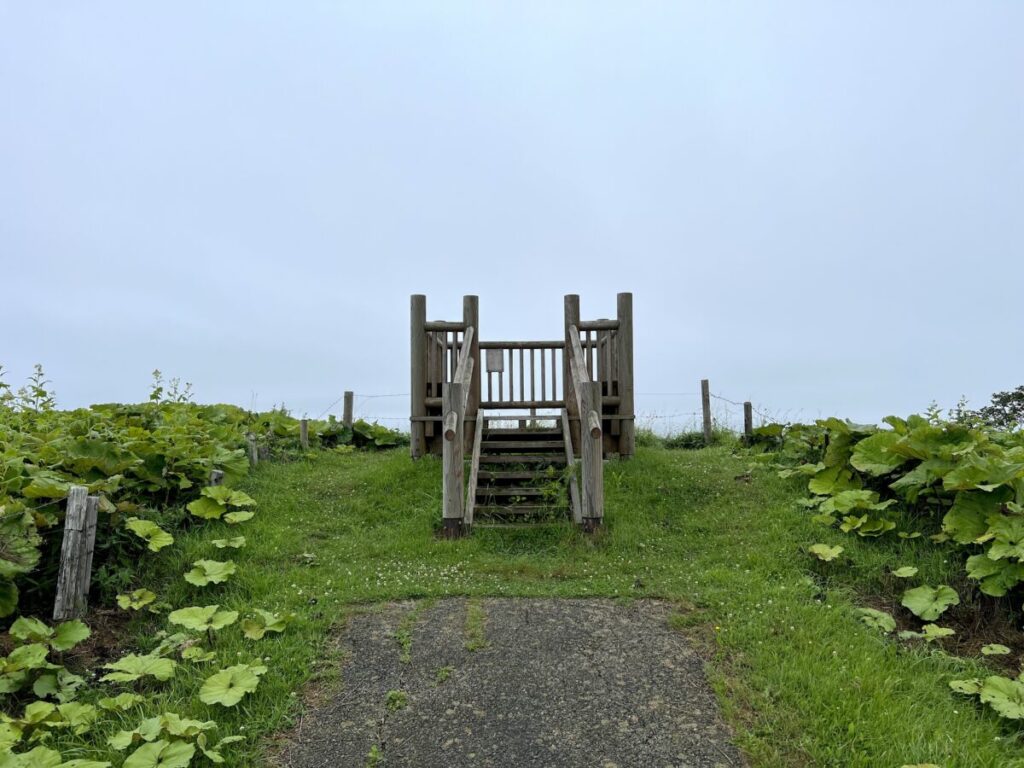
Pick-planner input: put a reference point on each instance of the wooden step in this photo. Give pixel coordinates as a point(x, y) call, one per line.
point(507, 490)
point(522, 445)
point(550, 434)
point(512, 475)
point(523, 458)
point(519, 510)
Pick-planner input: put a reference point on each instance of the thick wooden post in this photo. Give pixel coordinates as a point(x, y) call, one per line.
point(591, 455)
point(304, 434)
point(216, 477)
point(254, 454)
point(627, 427)
point(471, 317)
point(76, 553)
point(452, 460)
point(572, 317)
point(418, 367)
point(748, 421)
point(346, 417)
point(705, 404)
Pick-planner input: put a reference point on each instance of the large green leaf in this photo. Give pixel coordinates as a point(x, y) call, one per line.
point(967, 520)
point(135, 600)
point(228, 686)
point(161, 754)
point(210, 572)
point(1005, 696)
point(69, 634)
point(929, 603)
point(874, 454)
point(132, 667)
point(1008, 535)
point(997, 577)
point(265, 621)
point(155, 536)
point(879, 620)
point(203, 618)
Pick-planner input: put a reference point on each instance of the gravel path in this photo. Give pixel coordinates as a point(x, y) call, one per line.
point(511, 683)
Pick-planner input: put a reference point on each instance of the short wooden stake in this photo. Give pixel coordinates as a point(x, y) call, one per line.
point(254, 454)
point(748, 421)
point(346, 418)
point(304, 434)
point(75, 574)
point(216, 477)
point(705, 402)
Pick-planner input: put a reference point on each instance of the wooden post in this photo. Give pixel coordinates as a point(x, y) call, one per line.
point(346, 418)
point(471, 317)
point(591, 455)
point(216, 477)
point(418, 366)
point(748, 421)
point(452, 458)
point(254, 454)
point(572, 317)
point(76, 552)
point(627, 426)
point(705, 403)
point(304, 434)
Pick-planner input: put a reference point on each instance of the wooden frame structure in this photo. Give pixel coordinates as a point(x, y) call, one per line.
point(585, 378)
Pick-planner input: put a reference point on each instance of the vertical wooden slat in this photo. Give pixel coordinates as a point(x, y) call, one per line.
point(533, 374)
point(543, 378)
point(522, 376)
point(554, 375)
point(748, 421)
point(418, 366)
point(501, 384)
point(624, 373)
point(304, 434)
point(705, 405)
point(511, 375)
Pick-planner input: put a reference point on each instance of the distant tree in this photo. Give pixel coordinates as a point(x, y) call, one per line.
point(1006, 409)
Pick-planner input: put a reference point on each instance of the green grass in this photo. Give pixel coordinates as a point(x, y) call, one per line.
point(800, 679)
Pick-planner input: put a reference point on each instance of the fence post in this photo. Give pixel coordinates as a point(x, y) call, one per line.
point(216, 477)
point(304, 434)
point(452, 460)
point(346, 418)
point(748, 421)
point(76, 552)
point(627, 427)
point(254, 454)
point(418, 366)
point(592, 457)
point(705, 402)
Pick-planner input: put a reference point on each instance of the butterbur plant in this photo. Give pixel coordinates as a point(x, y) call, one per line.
point(218, 501)
point(206, 572)
point(230, 685)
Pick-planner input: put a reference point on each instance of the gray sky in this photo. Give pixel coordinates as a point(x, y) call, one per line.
point(820, 206)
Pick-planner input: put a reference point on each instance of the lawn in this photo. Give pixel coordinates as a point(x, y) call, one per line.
point(799, 677)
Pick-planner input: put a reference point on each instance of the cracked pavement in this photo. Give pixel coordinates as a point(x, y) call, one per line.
point(559, 683)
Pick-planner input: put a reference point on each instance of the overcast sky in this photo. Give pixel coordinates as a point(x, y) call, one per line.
point(819, 206)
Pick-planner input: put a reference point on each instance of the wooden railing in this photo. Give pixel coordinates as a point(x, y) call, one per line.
point(587, 395)
point(454, 399)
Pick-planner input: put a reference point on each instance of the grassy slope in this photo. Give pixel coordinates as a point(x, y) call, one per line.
point(802, 681)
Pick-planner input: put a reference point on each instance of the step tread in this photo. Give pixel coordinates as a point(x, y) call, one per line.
point(522, 444)
point(510, 490)
point(517, 509)
point(517, 458)
point(525, 474)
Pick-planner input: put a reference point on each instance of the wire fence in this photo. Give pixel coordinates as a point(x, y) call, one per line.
point(662, 412)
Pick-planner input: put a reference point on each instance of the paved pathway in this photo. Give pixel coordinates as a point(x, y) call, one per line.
point(556, 683)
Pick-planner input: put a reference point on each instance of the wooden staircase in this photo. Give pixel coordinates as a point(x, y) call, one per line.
point(519, 476)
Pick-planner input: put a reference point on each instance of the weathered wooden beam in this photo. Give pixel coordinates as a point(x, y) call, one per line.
point(474, 473)
point(748, 421)
point(443, 325)
point(705, 405)
point(418, 368)
point(75, 571)
point(254, 453)
point(216, 477)
point(570, 461)
point(304, 434)
point(598, 325)
point(452, 465)
point(346, 418)
point(624, 374)
point(522, 344)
